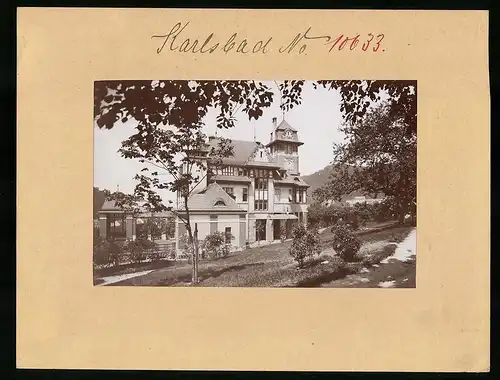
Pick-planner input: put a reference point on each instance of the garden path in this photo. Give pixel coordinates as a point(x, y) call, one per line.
point(395, 271)
point(121, 277)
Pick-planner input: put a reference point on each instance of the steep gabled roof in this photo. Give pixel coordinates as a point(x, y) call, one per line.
point(110, 206)
point(254, 159)
point(206, 200)
point(242, 151)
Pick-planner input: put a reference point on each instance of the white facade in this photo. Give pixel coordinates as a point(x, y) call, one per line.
point(256, 195)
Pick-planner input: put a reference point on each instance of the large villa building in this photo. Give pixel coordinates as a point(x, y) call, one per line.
point(250, 196)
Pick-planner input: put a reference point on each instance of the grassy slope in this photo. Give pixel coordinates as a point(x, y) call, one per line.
point(271, 266)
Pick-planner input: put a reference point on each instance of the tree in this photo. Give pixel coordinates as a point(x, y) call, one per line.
point(358, 95)
point(169, 138)
point(170, 228)
point(305, 243)
point(345, 242)
point(99, 198)
point(316, 213)
point(377, 157)
point(155, 226)
point(321, 214)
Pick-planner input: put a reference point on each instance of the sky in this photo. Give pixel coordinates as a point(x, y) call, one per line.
point(317, 120)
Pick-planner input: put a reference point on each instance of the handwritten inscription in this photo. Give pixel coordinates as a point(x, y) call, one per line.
point(176, 40)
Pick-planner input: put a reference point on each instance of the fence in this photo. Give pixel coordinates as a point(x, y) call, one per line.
point(121, 252)
point(166, 250)
point(158, 251)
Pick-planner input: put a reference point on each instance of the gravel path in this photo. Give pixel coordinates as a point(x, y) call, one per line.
point(397, 270)
point(121, 277)
point(405, 250)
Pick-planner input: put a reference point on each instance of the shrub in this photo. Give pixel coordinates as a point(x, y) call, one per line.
point(351, 218)
point(305, 244)
point(187, 248)
point(351, 268)
point(226, 249)
point(101, 253)
point(136, 251)
point(115, 252)
point(358, 214)
point(171, 253)
point(156, 255)
point(385, 210)
point(215, 245)
point(345, 243)
point(96, 233)
point(363, 212)
point(316, 213)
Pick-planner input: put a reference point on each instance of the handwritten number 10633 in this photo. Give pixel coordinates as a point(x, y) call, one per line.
point(370, 42)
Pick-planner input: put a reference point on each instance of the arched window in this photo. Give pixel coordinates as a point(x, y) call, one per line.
point(219, 202)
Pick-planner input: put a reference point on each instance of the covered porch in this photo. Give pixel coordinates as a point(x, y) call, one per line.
point(115, 223)
point(269, 227)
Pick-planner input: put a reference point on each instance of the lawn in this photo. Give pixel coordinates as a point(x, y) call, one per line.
point(271, 265)
point(400, 274)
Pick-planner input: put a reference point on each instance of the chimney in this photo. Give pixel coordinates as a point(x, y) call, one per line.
point(275, 121)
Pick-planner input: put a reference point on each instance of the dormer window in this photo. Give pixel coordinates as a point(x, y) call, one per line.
point(219, 203)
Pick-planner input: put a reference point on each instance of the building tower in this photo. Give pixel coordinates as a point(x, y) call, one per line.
point(284, 146)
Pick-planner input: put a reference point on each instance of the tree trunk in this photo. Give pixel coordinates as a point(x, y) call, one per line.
point(195, 254)
point(194, 276)
point(402, 212)
point(401, 201)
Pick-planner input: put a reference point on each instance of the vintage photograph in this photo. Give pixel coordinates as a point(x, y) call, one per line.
point(247, 183)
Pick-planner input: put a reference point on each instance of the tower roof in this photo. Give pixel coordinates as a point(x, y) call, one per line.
point(285, 141)
point(284, 125)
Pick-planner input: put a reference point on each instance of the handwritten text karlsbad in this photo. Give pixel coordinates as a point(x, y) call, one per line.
point(176, 40)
